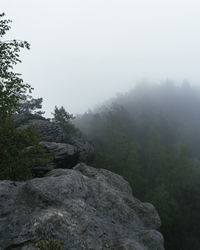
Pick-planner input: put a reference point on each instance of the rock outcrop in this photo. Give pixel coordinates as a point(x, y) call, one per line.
point(68, 148)
point(87, 208)
point(65, 155)
point(84, 207)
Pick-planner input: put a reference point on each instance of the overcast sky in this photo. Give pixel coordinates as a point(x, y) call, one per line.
point(85, 51)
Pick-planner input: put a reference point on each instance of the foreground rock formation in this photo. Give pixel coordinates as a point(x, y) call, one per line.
point(87, 208)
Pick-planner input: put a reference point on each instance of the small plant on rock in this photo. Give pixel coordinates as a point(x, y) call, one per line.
point(49, 245)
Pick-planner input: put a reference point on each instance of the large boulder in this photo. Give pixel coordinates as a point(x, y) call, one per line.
point(85, 149)
point(65, 155)
point(86, 208)
point(68, 148)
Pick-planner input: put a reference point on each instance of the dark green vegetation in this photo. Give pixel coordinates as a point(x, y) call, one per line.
point(12, 88)
point(151, 137)
point(49, 245)
point(64, 120)
point(16, 146)
point(20, 152)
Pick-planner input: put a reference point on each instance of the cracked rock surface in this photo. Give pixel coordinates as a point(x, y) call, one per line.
point(87, 208)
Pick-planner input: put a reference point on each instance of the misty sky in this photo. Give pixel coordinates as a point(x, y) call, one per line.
point(85, 51)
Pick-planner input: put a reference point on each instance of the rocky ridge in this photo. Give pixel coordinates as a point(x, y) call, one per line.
point(84, 207)
point(68, 148)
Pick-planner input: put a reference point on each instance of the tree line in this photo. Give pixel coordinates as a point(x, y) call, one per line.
point(151, 137)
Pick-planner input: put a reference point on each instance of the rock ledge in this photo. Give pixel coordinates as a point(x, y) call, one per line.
point(88, 208)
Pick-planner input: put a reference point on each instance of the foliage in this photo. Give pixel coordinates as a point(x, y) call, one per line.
point(16, 159)
point(49, 245)
point(151, 137)
point(19, 152)
point(30, 106)
point(63, 118)
point(12, 87)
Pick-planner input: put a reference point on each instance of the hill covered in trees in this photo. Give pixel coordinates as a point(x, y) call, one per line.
point(151, 137)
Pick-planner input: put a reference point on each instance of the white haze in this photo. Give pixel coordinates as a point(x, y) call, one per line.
point(85, 51)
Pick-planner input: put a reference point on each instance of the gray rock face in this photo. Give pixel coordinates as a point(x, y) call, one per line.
point(87, 208)
point(69, 149)
point(86, 151)
point(65, 155)
point(48, 131)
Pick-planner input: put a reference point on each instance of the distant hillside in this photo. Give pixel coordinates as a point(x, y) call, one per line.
point(150, 136)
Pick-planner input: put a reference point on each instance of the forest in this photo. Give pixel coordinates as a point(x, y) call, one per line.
point(151, 137)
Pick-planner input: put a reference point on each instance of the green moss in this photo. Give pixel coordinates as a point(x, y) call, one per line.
point(49, 245)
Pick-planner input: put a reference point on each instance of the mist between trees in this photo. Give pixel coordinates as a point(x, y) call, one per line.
point(151, 137)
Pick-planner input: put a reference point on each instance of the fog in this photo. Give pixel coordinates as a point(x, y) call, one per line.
point(84, 52)
point(150, 136)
